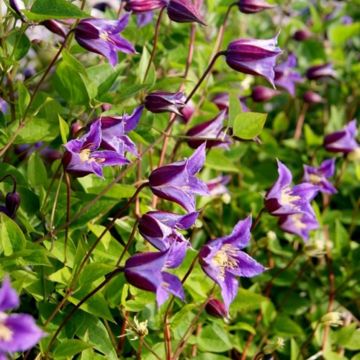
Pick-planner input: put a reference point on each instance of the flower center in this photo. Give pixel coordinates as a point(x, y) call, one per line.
point(85, 155)
point(315, 179)
point(104, 36)
point(225, 259)
point(297, 219)
point(287, 198)
point(5, 333)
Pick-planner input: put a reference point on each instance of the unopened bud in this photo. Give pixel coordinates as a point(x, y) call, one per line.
point(302, 35)
point(216, 308)
point(12, 203)
point(312, 97)
point(263, 93)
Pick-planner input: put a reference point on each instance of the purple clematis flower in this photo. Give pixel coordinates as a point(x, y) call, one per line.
point(217, 186)
point(319, 176)
point(101, 36)
point(177, 182)
point(138, 6)
point(18, 332)
point(187, 112)
point(222, 260)
point(147, 271)
point(320, 71)
point(254, 57)
point(286, 77)
point(3, 106)
point(183, 11)
point(284, 199)
point(83, 156)
point(263, 93)
point(344, 140)
point(160, 228)
point(12, 203)
point(211, 131)
point(299, 224)
point(253, 6)
point(142, 19)
point(161, 101)
point(114, 130)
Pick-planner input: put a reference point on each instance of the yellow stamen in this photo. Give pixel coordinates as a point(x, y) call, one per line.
point(104, 36)
point(286, 198)
point(315, 179)
point(297, 219)
point(225, 259)
point(5, 333)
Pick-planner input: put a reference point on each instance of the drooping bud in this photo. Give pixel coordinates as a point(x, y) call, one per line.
point(302, 35)
point(138, 6)
point(344, 140)
point(216, 308)
point(161, 101)
point(263, 93)
point(187, 112)
point(320, 71)
point(12, 203)
point(254, 57)
point(17, 6)
point(55, 27)
point(253, 6)
point(183, 11)
point(312, 97)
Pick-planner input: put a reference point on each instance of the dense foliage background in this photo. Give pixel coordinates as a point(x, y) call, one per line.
point(304, 306)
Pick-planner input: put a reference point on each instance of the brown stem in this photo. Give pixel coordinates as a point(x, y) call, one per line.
point(331, 277)
point(257, 219)
point(206, 72)
point(81, 302)
point(156, 38)
point(300, 122)
point(129, 242)
point(121, 341)
point(221, 32)
point(138, 354)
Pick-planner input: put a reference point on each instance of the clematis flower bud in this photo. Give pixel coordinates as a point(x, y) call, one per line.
point(183, 11)
point(254, 57)
point(138, 6)
point(312, 97)
point(12, 203)
point(216, 308)
point(187, 112)
point(55, 27)
point(320, 71)
point(263, 93)
point(344, 140)
point(253, 6)
point(302, 35)
point(101, 37)
point(161, 101)
point(17, 6)
point(211, 130)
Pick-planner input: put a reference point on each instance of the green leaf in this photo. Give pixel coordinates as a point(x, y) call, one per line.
point(214, 339)
point(11, 237)
point(234, 108)
point(36, 171)
point(339, 33)
point(217, 160)
point(286, 327)
point(19, 44)
point(64, 129)
point(70, 348)
point(23, 99)
point(248, 125)
point(295, 350)
point(247, 300)
point(54, 9)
